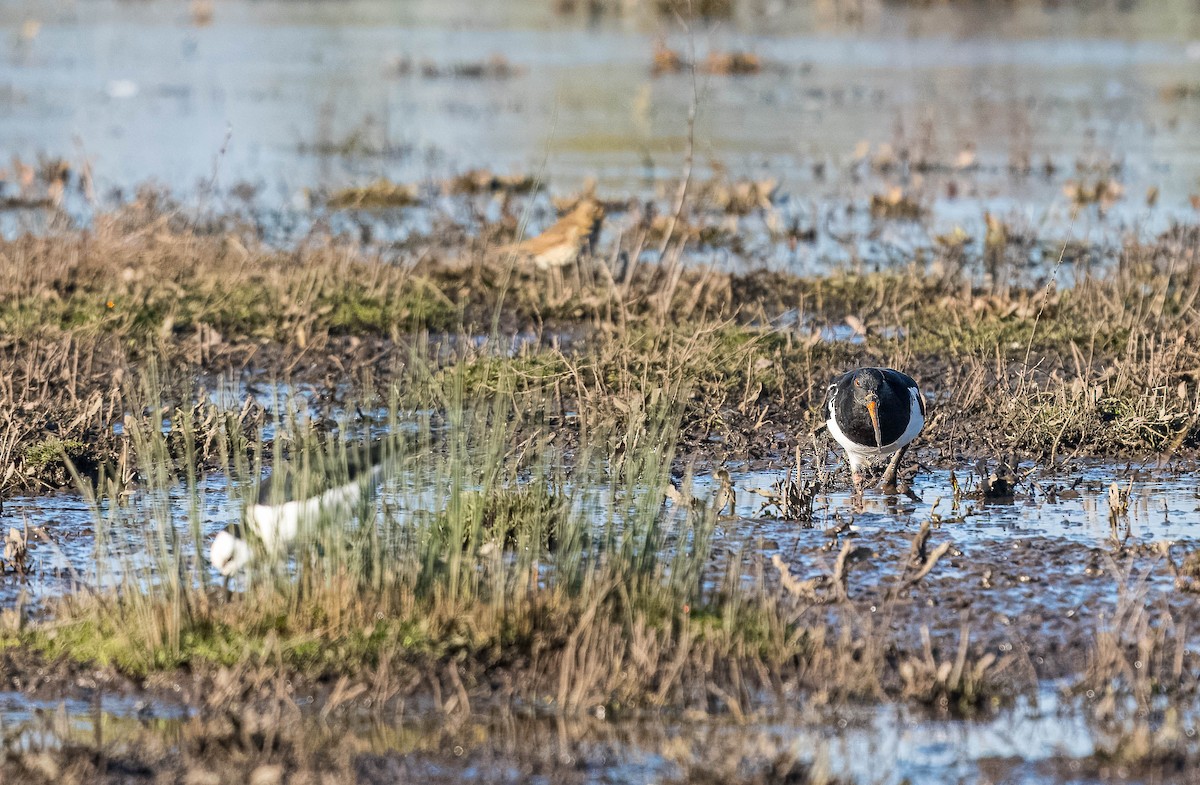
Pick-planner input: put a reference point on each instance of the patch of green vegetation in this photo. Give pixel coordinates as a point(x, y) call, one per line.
point(525, 516)
point(529, 370)
point(129, 644)
point(88, 640)
point(52, 450)
point(419, 304)
point(348, 313)
point(35, 315)
point(120, 638)
point(245, 308)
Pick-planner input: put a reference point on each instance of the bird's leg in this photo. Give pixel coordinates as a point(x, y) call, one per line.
point(860, 484)
point(558, 286)
point(888, 483)
point(578, 267)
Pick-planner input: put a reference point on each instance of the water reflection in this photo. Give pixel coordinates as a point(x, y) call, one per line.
point(887, 744)
point(286, 96)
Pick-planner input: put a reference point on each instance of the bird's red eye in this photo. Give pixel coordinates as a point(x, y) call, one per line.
point(857, 382)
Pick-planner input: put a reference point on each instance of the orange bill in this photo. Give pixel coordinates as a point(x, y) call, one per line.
point(873, 410)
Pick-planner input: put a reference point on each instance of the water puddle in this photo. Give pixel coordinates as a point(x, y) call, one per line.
point(19, 708)
point(896, 744)
point(880, 746)
point(1163, 507)
point(1072, 507)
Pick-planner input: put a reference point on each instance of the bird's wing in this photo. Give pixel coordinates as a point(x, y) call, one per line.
point(908, 382)
point(314, 471)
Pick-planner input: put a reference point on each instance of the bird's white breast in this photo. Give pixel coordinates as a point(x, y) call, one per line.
point(558, 256)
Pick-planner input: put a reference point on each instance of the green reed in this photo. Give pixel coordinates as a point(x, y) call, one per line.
point(484, 518)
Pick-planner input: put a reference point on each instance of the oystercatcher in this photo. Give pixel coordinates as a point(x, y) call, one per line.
point(874, 412)
point(298, 494)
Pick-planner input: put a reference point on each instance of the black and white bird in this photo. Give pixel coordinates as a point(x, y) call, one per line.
point(298, 495)
point(873, 413)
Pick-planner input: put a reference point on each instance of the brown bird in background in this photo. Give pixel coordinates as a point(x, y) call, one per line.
point(563, 242)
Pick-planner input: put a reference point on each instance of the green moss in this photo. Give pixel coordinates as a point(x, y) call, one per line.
point(52, 450)
point(352, 310)
point(529, 370)
point(92, 641)
point(130, 645)
point(237, 308)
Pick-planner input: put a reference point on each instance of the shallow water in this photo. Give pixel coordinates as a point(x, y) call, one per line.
point(880, 746)
point(17, 709)
point(863, 744)
point(1164, 506)
point(266, 92)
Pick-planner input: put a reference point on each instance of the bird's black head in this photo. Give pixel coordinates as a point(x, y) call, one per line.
point(866, 381)
point(859, 400)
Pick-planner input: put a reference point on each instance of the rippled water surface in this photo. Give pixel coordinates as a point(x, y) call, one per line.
point(968, 106)
point(1164, 506)
point(1072, 506)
